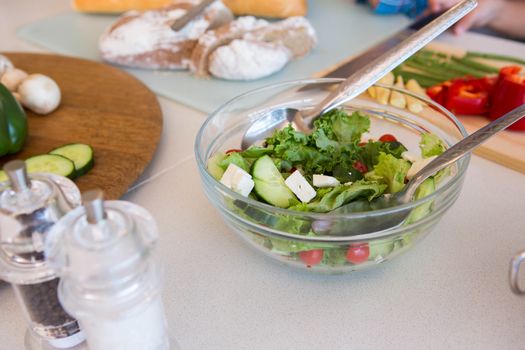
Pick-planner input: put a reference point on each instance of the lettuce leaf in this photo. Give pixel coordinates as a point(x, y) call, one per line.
point(339, 126)
point(341, 195)
point(237, 159)
point(370, 152)
point(431, 145)
point(391, 171)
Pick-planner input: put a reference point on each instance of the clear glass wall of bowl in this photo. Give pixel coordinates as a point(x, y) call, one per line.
point(282, 234)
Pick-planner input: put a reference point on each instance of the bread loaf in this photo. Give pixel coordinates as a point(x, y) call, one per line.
point(263, 51)
point(295, 33)
point(118, 6)
point(146, 40)
point(213, 39)
point(248, 60)
point(268, 8)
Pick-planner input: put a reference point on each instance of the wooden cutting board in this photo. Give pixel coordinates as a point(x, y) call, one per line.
point(102, 106)
point(506, 148)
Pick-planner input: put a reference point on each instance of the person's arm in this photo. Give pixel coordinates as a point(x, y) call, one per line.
point(504, 16)
point(510, 19)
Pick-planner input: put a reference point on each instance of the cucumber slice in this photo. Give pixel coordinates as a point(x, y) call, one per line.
point(51, 163)
point(213, 166)
point(79, 153)
point(269, 183)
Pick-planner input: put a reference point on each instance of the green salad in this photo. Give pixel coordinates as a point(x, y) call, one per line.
point(330, 168)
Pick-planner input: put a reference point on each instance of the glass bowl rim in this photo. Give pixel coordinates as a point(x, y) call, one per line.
point(201, 163)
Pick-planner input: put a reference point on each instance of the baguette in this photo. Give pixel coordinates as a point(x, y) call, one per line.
point(268, 8)
point(118, 6)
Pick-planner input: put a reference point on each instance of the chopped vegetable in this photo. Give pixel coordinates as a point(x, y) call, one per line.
point(465, 96)
point(387, 138)
point(383, 94)
point(509, 93)
point(358, 253)
point(13, 123)
point(431, 145)
point(81, 155)
point(480, 67)
point(414, 105)
point(398, 99)
point(269, 183)
point(496, 57)
point(51, 163)
point(391, 171)
point(311, 257)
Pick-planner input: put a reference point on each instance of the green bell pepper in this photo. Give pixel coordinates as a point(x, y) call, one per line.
point(13, 123)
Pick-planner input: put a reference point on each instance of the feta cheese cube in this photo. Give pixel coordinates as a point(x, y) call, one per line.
point(325, 181)
point(237, 180)
point(418, 165)
point(300, 187)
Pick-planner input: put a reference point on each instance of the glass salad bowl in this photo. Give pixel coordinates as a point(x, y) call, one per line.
point(330, 242)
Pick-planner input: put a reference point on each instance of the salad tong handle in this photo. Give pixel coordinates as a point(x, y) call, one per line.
point(366, 76)
point(461, 148)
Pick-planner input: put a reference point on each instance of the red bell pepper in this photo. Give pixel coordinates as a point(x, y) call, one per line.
point(508, 94)
point(466, 96)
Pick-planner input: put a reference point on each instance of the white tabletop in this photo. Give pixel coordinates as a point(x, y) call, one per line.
point(450, 292)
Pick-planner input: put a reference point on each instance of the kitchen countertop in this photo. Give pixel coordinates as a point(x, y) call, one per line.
point(450, 292)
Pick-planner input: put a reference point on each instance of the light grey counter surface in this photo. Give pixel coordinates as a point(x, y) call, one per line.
point(450, 292)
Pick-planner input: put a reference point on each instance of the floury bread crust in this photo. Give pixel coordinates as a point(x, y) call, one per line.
point(263, 51)
point(213, 39)
point(146, 40)
point(248, 60)
point(213, 43)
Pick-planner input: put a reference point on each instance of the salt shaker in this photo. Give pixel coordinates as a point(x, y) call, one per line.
point(109, 280)
point(29, 207)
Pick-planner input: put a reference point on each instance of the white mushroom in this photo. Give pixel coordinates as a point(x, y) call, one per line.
point(16, 95)
point(39, 93)
point(12, 78)
point(5, 64)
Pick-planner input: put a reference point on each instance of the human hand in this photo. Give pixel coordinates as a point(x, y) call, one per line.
point(483, 14)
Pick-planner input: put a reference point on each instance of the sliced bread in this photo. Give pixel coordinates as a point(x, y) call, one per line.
point(294, 33)
point(263, 51)
point(223, 35)
point(146, 40)
point(248, 60)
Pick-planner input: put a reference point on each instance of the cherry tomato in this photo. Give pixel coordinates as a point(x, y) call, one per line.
point(358, 253)
point(388, 138)
point(311, 257)
point(233, 150)
point(360, 166)
point(362, 144)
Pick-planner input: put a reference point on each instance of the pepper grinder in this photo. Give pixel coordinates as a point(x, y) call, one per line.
point(29, 207)
point(109, 280)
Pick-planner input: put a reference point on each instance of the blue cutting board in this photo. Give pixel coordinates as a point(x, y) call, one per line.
point(343, 27)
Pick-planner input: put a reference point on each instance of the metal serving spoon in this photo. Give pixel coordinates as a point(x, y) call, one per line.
point(359, 81)
point(451, 155)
